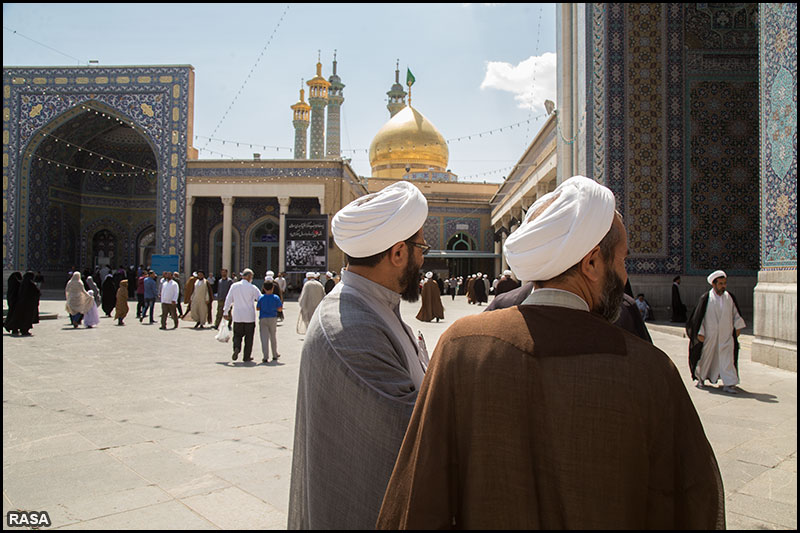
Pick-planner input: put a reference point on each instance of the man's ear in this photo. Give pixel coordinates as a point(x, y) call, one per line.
point(591, 265)
point(398, 254)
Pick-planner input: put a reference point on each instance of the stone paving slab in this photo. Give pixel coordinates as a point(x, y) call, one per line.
point(135, 427)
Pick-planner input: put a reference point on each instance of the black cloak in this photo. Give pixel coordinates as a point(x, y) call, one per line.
point(678, 307)
point(109, 292)
point(12, 298)
point(693, 326)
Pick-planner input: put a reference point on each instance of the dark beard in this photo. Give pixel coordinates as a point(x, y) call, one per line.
point(611, 299)
point(410, 280)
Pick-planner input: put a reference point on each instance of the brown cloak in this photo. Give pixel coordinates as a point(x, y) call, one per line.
point(121, 310)
point(188, 289)
point(542, 417)
point(431, 302)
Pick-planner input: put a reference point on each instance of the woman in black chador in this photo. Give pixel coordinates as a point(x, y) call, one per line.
point(26, 309)
point(12, 297)
point(109, 292)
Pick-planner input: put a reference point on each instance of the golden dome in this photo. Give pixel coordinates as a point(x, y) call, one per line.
point(408, 140)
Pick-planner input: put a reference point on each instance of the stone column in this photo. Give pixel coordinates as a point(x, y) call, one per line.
point(498, 261)
point(284, 210)
point(227, 231)
point(187, 252)
point(321, 204)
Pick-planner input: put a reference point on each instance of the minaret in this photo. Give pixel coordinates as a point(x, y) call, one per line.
point(397, 96)
point(301, 115)
point(318, 98)
point(335, 99)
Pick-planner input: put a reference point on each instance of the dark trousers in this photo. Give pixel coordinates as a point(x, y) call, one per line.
point(220, 307)
point(140, 305)
point(246, 330)
point(149, 303)
point(169, 309)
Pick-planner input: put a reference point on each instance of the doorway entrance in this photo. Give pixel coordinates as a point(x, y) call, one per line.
point(264, 244)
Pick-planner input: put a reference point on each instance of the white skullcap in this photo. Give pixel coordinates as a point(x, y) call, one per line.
point(309, 274)
point(429, 275)
point(270, 274)
point(580, 215)
point(329, 274)
point(374, 223)
point(714, 275)
point(507, 273)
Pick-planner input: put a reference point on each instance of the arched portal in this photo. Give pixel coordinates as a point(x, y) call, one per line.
point(216, 249)
point(264, 242)
point(156, 102)
point(88, 171)
point(146, 246)
point(461, 266)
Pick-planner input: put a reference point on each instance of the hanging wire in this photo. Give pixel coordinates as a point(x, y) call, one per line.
point(80, 61)
point(252, 69)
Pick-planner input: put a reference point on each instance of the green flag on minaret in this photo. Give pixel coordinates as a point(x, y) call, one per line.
point(410, 78)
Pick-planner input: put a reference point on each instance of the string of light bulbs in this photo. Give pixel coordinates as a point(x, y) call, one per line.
point(365, 150)
point(59, 164)
point(102, 157)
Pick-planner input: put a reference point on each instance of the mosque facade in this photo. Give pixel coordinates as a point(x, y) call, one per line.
point(99, 168)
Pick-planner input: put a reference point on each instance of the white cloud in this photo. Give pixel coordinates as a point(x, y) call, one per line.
point(532, 81)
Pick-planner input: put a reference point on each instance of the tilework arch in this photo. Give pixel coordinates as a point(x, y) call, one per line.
point(156, 100)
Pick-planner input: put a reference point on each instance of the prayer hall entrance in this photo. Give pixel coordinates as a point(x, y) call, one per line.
point(461, 258)
point(91, 193)
point(264, 243)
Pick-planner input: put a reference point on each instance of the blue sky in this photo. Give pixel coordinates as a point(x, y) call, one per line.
point(478, 67)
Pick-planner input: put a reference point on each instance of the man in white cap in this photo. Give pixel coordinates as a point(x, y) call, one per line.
point(506, 283)
point(312, 294)
point(361, 365)
point(431, 300)
point(713, 333)
point(545, 415)
point(330, 283)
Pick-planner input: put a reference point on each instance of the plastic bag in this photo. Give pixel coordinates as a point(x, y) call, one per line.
point(224, 334)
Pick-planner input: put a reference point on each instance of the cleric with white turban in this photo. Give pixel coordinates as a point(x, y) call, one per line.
point(559, 229)
point(361, 366)
point(374, 223)
point(714, 275)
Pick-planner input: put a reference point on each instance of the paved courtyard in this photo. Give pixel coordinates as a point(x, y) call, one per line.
point(137, 428)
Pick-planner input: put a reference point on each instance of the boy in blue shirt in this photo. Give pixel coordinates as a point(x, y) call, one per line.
point(268, 306)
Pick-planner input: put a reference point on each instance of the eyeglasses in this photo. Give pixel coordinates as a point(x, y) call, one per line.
point(425, 247)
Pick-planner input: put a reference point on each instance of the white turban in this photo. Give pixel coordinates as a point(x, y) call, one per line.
point(714, 275)
point(429, 275)
point(374, 223)
point(507, 273)
point(580, 215)
point(309, 275)
point(270, 274)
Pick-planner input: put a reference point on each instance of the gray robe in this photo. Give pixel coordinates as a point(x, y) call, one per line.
point(354, 401)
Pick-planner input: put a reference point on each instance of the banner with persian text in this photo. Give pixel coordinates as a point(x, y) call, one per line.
point(307, 244)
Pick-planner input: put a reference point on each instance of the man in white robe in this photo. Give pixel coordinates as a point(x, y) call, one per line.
point(201, 298)
point(312, 294)
point(718, 330)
